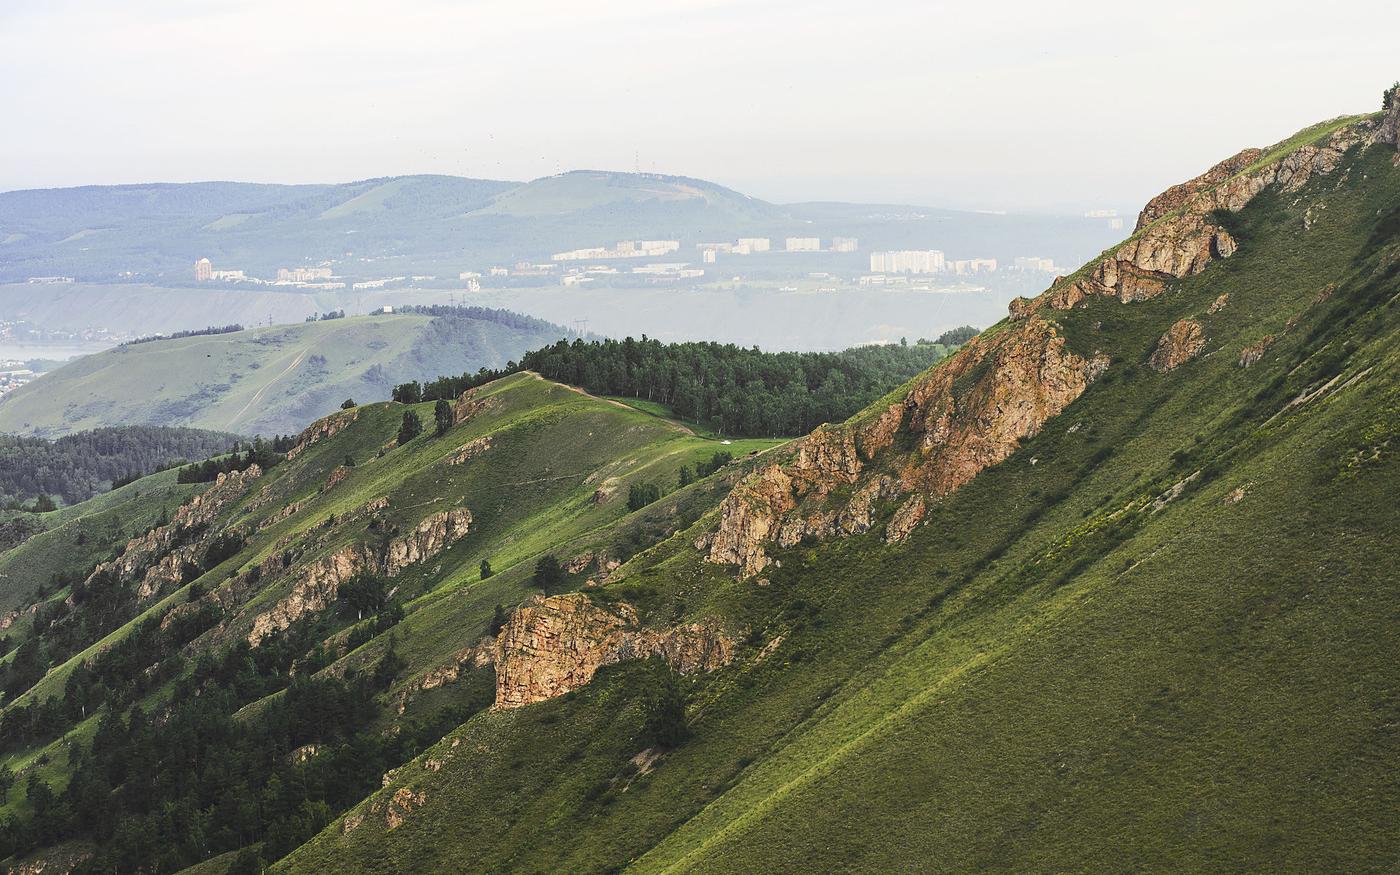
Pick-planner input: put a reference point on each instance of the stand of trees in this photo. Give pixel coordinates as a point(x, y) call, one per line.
point(730, 389)
point(196, 332)
point(162, 792)
point(79, 466)
point(265, 454)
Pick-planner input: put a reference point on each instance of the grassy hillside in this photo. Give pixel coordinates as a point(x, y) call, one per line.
point(1156, 633)
point(548, 471)
point(1159, 636)
point(265, 380)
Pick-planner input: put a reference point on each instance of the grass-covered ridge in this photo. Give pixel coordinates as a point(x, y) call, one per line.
point(1074, 664)
point(1160, 635)
point(550, 470)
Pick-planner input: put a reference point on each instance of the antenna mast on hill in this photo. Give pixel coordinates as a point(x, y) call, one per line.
point(580, 327)
point(637, 161)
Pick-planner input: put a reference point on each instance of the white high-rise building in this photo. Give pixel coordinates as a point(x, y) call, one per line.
point(844, 244)
point(754, 244)
point(804, 244)
point(1034, 262)
point(908, 261)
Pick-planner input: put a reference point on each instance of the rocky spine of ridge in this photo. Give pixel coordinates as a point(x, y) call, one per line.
point(963, 416)
point(554, 645)
point(159, 557)
point(973, 410)
point(321, 429)
point(1176, 235)
point(319, 583)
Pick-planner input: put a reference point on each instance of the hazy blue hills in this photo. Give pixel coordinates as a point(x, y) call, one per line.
point(445, 224)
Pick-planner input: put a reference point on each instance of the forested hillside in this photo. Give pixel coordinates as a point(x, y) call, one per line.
point(723, 387)
point(78, 466)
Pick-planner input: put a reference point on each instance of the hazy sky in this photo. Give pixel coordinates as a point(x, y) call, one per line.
point(1019, 105)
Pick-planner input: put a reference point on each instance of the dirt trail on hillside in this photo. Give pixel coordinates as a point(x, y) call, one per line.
point(258, 394)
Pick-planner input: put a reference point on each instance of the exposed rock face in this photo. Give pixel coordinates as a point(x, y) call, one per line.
point(1251, 354)
point(554, 645)
point(965, 415)
point(606, 490)
point(909, 515)
point(321, 580)
point(1178, 196)
point(469, 405)
point(1176, 236)
point(337, 476)
point(158, 557)
point(323, 428)
point(401, 804)
point(1182, 342)
point(1388, 129)
point(470, 450)
point(1219, 303)
point(8, 620)
point(281, 514)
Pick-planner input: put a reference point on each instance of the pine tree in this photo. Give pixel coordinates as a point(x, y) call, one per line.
point(442, 414)
point(410, 428)
point(549, 574)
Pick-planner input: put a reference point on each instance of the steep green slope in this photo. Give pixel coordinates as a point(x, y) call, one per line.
point(1111, 588)
point(530, 467)
point(1159, 634)
point(265, 380)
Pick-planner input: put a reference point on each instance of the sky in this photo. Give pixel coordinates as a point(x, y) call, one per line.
point(1022, 106)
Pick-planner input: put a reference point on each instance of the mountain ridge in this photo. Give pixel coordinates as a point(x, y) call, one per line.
point(1060, 602)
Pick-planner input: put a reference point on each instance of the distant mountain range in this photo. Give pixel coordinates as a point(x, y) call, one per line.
point(444, 224)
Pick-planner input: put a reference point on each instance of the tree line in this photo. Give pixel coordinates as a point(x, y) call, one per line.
point(193, 332)
point(730, 389)
point(263, 453)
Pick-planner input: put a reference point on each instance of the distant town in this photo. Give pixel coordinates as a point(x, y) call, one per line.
point(887, 267)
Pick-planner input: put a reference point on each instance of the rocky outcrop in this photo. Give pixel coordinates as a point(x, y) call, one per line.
point(338, 475)
point(320, 581)
point(9, 619)
point(1179, 196)
point(401, 804)
point(606, 490)
point(902, 524)
point(599, 564)
point(157, 558)
point(321, 429)
point(470, 404)
point(554, 645)
point(1219, 303)
point(963, 416)
point(1182, 342)
point(1388, 128)
point(280, 514)
point(1176, 235)
point(1251, 354)
point(470, 450)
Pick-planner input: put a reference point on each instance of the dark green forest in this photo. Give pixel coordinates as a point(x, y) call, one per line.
point(79, 466)
point(731, 389)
